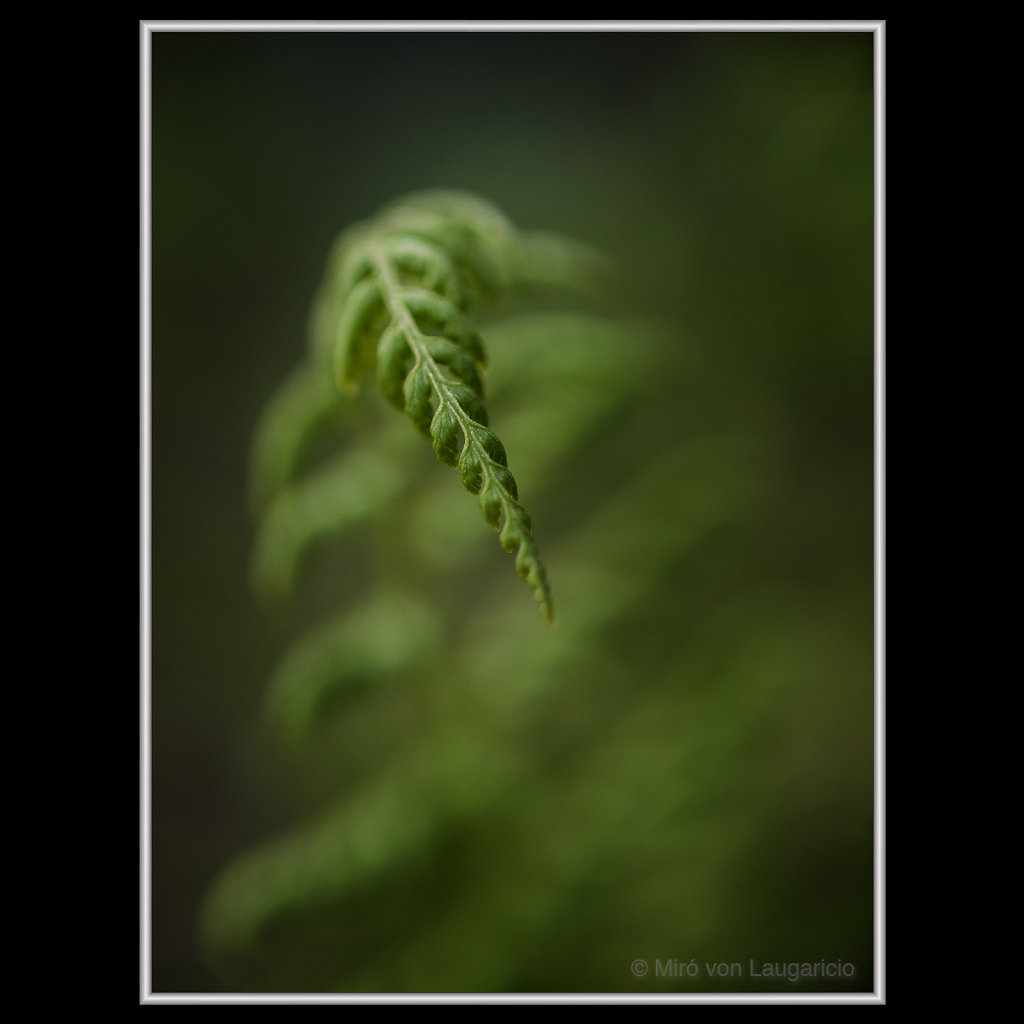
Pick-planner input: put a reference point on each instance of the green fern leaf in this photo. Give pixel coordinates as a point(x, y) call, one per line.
point(396, 302)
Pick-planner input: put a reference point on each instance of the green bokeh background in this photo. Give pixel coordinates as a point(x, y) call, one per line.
point(695, 779)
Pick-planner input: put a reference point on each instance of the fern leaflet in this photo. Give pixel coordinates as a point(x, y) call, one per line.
point(396, 302)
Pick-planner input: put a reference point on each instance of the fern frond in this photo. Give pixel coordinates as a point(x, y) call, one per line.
point(397, 298)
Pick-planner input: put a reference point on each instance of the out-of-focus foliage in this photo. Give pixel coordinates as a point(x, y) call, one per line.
point(445, 794)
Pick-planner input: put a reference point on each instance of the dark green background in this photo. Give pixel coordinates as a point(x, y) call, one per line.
point(730, 176)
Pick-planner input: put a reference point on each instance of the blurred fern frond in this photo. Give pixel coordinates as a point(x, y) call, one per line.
point(479, 794)
point(328, 463)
